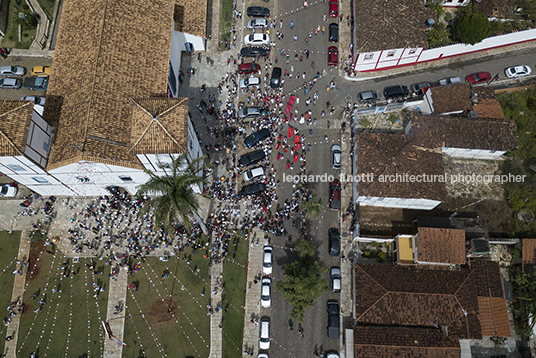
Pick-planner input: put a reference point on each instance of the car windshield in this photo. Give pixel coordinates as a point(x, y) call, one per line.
point(4, 190)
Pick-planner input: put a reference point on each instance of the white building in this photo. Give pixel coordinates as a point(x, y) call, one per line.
point(109, 112)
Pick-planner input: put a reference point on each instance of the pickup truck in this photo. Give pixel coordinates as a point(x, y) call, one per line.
point(36, 83)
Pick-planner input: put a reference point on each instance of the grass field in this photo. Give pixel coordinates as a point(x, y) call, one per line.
point(9, 247)
point(234, 277)
point(186, 331)
point(226, 22)
point(68, 323)
point(11, 40)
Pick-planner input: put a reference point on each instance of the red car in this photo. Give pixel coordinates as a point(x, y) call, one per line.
point(333, 8)
point(335, 195)
point(246, 68)
point(478, 77)
point(333, 56)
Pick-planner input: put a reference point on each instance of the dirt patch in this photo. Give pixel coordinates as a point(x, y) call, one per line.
point(36, 248)
point(462, 184)
point(161, 314)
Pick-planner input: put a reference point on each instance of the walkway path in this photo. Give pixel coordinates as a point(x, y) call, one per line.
point(252, 308)
point(18, 291)
point(117, 295)
point(216, 343)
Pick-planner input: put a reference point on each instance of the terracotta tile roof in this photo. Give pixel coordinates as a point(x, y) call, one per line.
point(15, 118)
point(441, 245)
point(100, 63)
point(159, 125)
point(464, 132)
point(494, 317)
point(487, 106)
point(391, 154)
point(385, 25)
point(388, 342)
point(191, 17)
point(488, 274)
point(503, 9)
point(528, 247)
point(452, 98)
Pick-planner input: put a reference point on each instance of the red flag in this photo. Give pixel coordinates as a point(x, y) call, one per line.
point(277, 146)
point(296, 157)
point(288, 165)
point(297, 139)
point(278, 156)
point(290, 132)
point(285, 150)
point(264, 208)
point(297, 147)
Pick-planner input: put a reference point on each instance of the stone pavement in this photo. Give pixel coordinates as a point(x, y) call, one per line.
point(252, 307)
point(216, 343)
point(18, 291)
point(117, 295)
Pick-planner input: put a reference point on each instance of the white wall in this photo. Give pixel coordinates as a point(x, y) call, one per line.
point(178, 39)
point(414, 204)
point(39, 139)
point(194, 147)
point(473, 153)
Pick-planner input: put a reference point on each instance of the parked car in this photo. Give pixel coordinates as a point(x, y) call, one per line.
point(266, 292)
point(332, 354)
point(256, 137)
point(35, 99)
point(449, 81)
point(257, 24)
point(336, 279)
point(395, 92)
point(333, 8)
point(267, 260)
point(333, 320)
point(418, 88)
point(258, 11)
point(334, 241)
point(336, 153)
point(257, 39)
point(335, 195)
point(8, 191)
point(36, 83)
point(264, 339)
point(264, 355)
point(10, 83)
point(12, 71)
point(253, 189)
point(246, 68)
point(254, 51)
point(41, 71)
point(251, 112)
point(251, 158)
point(478, 77)
point(254, 173)
point(517, 71)
point(275, 80)
point(369, 96)
point(250, 82)
point(333, 32)
point(333, 56)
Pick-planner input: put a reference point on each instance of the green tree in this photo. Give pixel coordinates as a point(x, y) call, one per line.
point(470, 26)
point(303, 282)
point(437, 5)
point(172, 195)
point(438, 35)
point(312, 207)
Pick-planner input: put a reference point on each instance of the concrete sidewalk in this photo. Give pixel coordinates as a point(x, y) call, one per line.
point(117, 295)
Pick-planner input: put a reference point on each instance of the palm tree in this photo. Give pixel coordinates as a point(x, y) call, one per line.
point(312, 207)
point(172, 195)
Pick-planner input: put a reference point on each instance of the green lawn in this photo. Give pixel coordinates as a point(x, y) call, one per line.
point(11, 40)
point(235, 277)
point(48, 7)
point(9, 247)
point(185, 333)
point(226, 22)
point(69, 323)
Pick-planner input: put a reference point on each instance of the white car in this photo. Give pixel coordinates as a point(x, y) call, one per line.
point(12, 71)
point(8, 191)
point(251, 174)
point(336, 153)
point(250, 82)
point(262, 355)
point(266, 292)
point(257, 24)
point(517, 71)
point(332, 354)
point(267, 260)
point(449, 81)
point(35, 99)
point(264, 340)
point(336, 279)
point(256, 39)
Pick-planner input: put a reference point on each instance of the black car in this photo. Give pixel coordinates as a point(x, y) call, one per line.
point(253, 189)
point(253, 51)
point(256, 137)
point(369, 96)
point(333, 32)
point(418, 87)
point(251, 158)
point(333, 320)
point(395, 92)
point(275, 81)
point(334, 241)
point(258, 11)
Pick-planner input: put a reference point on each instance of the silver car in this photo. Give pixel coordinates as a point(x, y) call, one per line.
point(449, 81)
point(336, 153)
point(10, 83)
point(257, 24)
point(12, 71)
point(250, 82)
point(266, 292)
point(35, 99)
point(267, 260)
point(251, 174)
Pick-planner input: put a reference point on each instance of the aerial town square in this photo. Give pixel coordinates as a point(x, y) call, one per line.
point(268, 178)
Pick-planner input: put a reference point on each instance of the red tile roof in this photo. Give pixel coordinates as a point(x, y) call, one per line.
point(441, 245)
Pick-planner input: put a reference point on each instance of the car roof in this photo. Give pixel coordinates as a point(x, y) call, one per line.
point(335, 270)
point(335, 147)
point(256, 171)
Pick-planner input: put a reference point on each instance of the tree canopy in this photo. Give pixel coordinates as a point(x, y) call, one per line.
point(470, 26)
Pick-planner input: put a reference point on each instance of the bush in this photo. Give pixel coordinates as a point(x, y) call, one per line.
point(438, 35)
point(437, 6)
point(471, 27)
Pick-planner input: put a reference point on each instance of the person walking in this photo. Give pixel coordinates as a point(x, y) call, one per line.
point(292, 25)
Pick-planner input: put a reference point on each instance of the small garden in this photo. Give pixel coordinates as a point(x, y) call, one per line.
point(21, 16)
point(376, 252)
point(226, 23)
point(9, 247)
